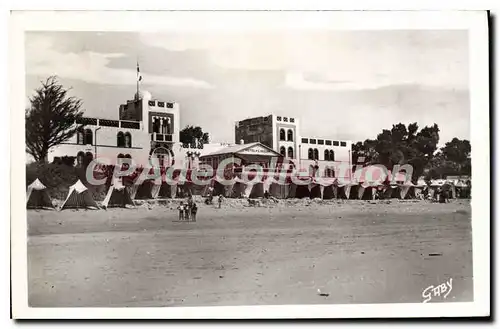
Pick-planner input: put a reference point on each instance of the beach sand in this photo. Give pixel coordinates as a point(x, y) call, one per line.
point(353, 251)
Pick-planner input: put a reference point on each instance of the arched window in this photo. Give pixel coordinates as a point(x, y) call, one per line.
point(332, 155)
point(128, 140)
point(120, 140)
point(128, 156)
point(79, 136)
point(316, 154)
point(289, 135)
point(282, 134)
point(120, 156)
point(169, 126)
point(283, 151)
point(80, 157)
point(88, 137)
point(327, 155)
point(290, 152)
point(310, 154)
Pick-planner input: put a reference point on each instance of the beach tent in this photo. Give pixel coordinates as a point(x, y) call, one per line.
point(254, 190)
point(315, 191)
point(279, 191)
point(392, 191)
point(404, 189)
point(419, 190)
point(144, 190)
point(79, 197)
point(214, 187)
point(445, 185)
point(347, 190)
point(299, 191)
point(237, 189)
point(461, 189)
point(37, 196)
point(367, 190)
point(328, 188)
point(164, 191)
point(117, 196)
point(323, 188)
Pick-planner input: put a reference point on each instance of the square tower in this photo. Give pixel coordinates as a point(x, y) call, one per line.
point(286, 133)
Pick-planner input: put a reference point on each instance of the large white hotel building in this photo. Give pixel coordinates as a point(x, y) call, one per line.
point(147, 128)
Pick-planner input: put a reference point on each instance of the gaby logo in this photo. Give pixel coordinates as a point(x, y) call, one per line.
point(434, 291)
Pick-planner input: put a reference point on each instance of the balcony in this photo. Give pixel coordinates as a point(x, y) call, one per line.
point(157, 137)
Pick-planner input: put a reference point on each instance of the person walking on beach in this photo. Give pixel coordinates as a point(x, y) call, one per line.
point(220, 200)
point(194, 210)
point(181, 211)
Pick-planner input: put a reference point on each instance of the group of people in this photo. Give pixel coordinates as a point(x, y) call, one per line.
point(188, 210)
point(210, 198)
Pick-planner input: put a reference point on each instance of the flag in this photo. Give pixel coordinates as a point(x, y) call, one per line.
point(139, 76)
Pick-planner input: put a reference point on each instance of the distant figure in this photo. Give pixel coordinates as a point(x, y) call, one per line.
point(441, 196)
point(220, 200)
point(194, 210)
point(266, 194)
point(181, 211)
point(190, 204)
point(187, 212)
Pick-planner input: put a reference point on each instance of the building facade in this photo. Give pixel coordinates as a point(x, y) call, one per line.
point(323, 156)
point(145, 128)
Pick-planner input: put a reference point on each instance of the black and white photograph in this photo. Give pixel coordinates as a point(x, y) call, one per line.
point(181, 162)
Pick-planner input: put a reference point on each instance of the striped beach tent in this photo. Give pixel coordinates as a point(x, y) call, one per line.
point(79, 197)
point(37, 196)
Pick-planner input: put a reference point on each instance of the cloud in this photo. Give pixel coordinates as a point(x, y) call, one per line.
point(91, 67)
point(360, 59)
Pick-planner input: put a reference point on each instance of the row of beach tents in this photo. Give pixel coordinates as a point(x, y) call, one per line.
point(331, 188)
point(79, 196)
point(324, 188)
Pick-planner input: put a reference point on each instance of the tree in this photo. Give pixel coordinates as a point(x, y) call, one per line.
point(400, 145)
point(193, 137)
point(453, 159)
point(51, 118)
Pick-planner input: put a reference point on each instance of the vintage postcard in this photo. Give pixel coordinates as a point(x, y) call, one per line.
point(260, 164)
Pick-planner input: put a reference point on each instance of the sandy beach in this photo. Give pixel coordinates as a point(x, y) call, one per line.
point(352, 251)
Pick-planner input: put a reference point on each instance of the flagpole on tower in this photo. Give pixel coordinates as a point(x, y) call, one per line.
point(138, 79)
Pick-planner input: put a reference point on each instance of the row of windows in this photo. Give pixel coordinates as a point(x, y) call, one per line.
point(322, 142)
point(85, 137)
point(284, 152)
point(313, 154)
point(288, 136)
point(285, 119)
point(161, 104)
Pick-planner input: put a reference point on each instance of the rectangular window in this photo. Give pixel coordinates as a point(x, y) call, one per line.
point(151, 103)
point(292, 120)
point(278, 118)
point(321, 142)
point(312, 141)
point(328, 142)
point(285, 119)
point(343, 144)
point(170, 105)
point(335, 143)
point(161, 104)
point(305, 140)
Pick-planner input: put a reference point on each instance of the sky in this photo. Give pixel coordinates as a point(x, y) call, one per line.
point(343, 85)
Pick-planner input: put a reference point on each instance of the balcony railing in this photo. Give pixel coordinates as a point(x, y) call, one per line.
point(87, 121)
